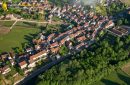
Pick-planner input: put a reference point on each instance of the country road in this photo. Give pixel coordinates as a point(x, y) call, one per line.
point(19, 20)
point(31, 21)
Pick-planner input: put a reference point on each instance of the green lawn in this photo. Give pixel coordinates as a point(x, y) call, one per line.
point(18, 35)
point(115, 78)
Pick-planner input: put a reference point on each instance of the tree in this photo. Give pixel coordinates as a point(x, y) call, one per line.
point(101, 10)
point(119, 22)
point(15, 1)
point(113, 6)
point(4, 6)
point(64, 50)
point(126, 21)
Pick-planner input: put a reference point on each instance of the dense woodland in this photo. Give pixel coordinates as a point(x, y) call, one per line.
point(91, 64)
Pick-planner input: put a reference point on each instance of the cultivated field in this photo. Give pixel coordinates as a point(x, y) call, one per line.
point(126, 2)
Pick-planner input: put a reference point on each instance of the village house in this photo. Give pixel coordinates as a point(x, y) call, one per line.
point(62, 41)
point(123, 30)
point(55, 50)
point(80, 45)
point(39, 55)
point(77, 33)
point(22, 64)
point(4, 70)
point(71, 36)
point(28, 50)
point(37, 47)
point(115, 32)
point(31, 64)
point(50, 37)
point(12, 62)
point(69, 44)
point(55, 44)
point(82, 38)
point(119, 31)
point(109, 24)
point(4, 56)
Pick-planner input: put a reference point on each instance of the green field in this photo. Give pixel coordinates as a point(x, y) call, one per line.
point(6, 23)
point(115, 78)
point(19, 34)
point(126, 2)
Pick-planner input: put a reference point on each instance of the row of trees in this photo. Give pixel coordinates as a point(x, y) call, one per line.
point(60, 2)
point(90, 64)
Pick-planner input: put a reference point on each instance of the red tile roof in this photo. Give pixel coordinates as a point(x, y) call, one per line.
point(22, 63)
point(51, 36)
point(75, 28)
point(33, 57)
point(95, 17)
point(62, 41)
point(86, 24)
point(54, 45)
point(82, 38)
point(81, 44)
point(62, 34)
point(77, 33)
point(55, 50)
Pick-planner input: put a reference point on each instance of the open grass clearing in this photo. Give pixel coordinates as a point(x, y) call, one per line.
point(21, 32)
point(126, 68)
point(18, 35)
point(115, 78)
point(126, 2)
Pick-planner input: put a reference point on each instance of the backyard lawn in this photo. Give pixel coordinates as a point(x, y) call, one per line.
point(19, 34)
point(115, 78)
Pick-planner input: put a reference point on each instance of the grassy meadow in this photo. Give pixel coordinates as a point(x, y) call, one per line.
point(20, 33)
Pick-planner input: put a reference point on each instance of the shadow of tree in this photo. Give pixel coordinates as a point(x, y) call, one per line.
point(108, 82)
point(42, 28)
point(124, 78)
point(28, 38)
point(15, 49)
